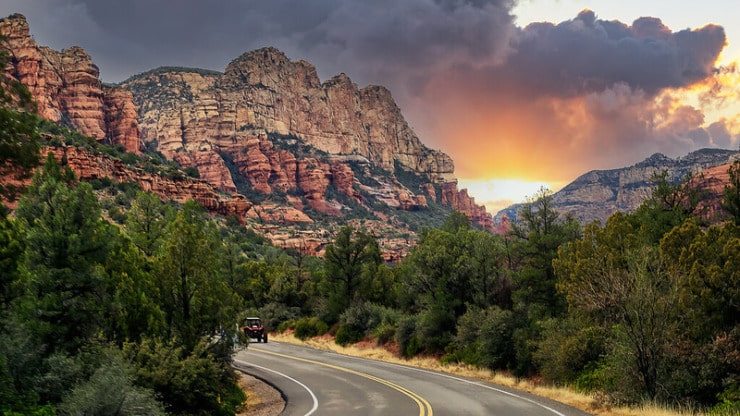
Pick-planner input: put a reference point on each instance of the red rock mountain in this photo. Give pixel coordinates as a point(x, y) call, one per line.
point(67, 87)
point(266, 126)
point(207, 120)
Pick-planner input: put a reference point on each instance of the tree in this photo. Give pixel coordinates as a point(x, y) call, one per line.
point(11, 251)
point(669, 206)
point(450, 270)
point(193, 294)
point(146, 221)
point(539, 234)
point(133, 312)
point(614, 278)
point(67, 243)
point(347, 264)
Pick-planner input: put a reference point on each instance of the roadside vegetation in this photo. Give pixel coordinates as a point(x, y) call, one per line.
point(114, 302)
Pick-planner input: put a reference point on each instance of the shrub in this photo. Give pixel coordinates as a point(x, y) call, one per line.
point(363, 319)
point(348, 335)
point(310, 327)
point(408, 342)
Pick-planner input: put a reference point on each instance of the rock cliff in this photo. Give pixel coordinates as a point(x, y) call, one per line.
point(67, 88)
point(598, 194)
point(262, 116)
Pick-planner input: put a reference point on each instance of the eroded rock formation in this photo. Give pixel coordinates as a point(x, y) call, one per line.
point(67, 88)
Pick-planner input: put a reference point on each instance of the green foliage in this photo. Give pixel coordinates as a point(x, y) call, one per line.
point(146, 221)
point(540, 233)
point(484, 338)
point(194, 296)
point(278, 316)
point(349, 264)
point(67, 243)
point(452, 269)
point(11, 252)
point(570, 350)
point(669, 206)
point(192, 171)
point(310, 327)
point(110, 391)
point(360, 320)
point(406, 336)
point(189, 384)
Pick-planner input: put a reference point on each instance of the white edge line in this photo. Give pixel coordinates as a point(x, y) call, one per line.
point(313, 396)
point(475, 383)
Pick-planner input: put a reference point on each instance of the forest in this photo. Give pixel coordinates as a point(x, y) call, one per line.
point(115, 302)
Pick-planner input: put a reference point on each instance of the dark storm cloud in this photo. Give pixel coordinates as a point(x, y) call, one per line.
point(586, 55)
point(371, 41)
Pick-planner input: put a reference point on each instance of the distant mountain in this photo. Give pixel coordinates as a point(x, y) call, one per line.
point(598, 194)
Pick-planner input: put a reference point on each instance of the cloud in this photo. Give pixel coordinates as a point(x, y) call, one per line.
point(547, 101)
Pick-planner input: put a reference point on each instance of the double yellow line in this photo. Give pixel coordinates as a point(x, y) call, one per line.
point(425, 408)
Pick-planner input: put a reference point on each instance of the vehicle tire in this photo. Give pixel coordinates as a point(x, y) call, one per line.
point(265, 338)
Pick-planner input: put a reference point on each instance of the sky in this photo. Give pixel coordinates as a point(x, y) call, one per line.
point(521, 94)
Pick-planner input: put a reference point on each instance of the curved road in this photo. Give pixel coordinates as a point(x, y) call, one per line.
point(325, 383)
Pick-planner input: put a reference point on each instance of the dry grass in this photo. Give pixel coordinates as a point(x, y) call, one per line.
point(585, 402)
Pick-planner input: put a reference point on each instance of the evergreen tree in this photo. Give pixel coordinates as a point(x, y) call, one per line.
point(347, 263)
point(67, 244)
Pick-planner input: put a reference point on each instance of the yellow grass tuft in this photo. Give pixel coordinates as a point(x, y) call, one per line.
point(586, 402)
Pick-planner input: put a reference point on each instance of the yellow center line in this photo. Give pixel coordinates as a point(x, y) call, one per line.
point(425, 408)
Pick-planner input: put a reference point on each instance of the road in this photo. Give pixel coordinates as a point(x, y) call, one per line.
point(325, 383)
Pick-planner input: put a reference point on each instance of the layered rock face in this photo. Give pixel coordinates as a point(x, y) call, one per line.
point(67, 88)
point(190, 113)
point(598, 194)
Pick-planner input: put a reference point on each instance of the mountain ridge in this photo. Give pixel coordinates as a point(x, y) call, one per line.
point(597, 194)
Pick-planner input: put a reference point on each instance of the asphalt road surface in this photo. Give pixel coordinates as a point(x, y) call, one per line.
point(325, 383)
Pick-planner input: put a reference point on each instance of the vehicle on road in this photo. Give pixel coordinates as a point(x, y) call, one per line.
point(253, 328)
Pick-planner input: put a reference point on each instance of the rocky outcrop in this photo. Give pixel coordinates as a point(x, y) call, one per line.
point(460, 201)
point(67, 88)
point(88, 166)
point(121, 118)
point(712, 183)
point(598, 194)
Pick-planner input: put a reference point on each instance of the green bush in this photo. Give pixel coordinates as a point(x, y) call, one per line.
point(348, 335)
point(310, 327)
point(364, 319)
point(189, 384)
point(110, 391)
point(285, 325)
point(408, 342)
point(568, 351)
